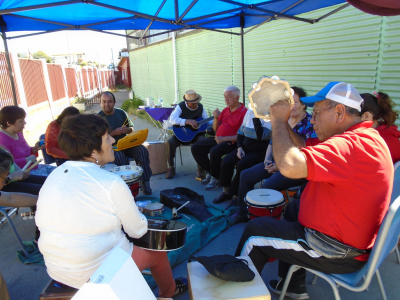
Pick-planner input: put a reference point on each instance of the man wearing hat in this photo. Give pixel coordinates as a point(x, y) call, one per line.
point(333, 227)
point(185, 113)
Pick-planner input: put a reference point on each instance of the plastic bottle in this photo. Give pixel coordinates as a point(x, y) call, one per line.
point(160, 101)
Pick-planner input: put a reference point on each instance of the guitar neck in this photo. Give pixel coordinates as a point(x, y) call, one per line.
point(205, 121)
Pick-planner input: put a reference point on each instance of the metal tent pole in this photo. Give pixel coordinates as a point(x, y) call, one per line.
point(242, 54)
point(10, 72)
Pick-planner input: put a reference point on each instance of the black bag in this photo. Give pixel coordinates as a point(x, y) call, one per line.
point(179, 196)
point(226, 267)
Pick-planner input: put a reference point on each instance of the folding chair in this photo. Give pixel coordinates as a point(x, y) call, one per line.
point(48, 159)
point(9, 210)
point(387, 238)
point(396, 191)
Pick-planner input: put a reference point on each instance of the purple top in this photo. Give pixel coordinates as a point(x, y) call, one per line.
point(19, 149)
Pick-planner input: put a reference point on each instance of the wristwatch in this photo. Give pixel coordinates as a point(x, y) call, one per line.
point(8, 179)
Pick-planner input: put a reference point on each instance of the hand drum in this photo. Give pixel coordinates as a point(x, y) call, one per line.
point(266, 92)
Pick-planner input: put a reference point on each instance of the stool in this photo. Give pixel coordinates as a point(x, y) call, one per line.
point(57, 291)
point(203, 285)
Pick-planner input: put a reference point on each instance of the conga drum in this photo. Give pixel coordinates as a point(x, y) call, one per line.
point(264, 203)
point(158, 156)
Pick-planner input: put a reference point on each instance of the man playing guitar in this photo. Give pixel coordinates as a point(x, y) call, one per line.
point(185, 113)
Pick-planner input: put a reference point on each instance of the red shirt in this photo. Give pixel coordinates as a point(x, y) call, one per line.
point(230, 122)
point(350, 185)
point(391, 136)
point(51, 136)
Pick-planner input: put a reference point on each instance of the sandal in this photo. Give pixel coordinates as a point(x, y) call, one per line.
point(181, 285)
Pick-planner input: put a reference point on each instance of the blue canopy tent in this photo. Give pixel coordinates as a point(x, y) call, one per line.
point(168, 15)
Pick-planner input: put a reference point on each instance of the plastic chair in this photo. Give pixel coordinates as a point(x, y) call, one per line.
point(4, 211)
point(387, 238)
point(396, 191)
point(48, 159)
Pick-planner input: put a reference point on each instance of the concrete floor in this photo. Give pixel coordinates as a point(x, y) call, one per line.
point(25, 282)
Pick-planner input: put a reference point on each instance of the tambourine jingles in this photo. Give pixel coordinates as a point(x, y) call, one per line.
point(266, 92)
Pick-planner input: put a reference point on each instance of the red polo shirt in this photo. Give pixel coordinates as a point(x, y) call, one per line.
point(230, 122)
point(350, 185)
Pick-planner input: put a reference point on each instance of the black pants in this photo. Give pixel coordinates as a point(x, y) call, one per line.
point(264, 238)
point(174, 143)
point(60, 161)
point(228, 167)
point(200, 152)
point(31, 185)
point(141, 157)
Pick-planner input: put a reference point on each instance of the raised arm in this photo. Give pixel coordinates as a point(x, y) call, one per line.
point(289, 159)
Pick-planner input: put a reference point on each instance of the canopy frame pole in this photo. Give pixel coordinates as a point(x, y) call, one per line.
point(332, 12)
point(40, 20)
point(32, 7)
point(10, 72)
point(176, 11)
point(152, 21)
point(187, 10)
point(242, 55)
point(216, 30)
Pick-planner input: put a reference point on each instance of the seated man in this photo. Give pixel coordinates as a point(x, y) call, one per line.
point(334, 225)
point(226, 125)
point(117, 120)
point(185, 113)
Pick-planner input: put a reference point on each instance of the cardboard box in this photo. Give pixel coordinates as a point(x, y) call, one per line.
point(117, 278)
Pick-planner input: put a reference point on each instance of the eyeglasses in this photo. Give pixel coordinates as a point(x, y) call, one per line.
point(315, 113)
point(5, 179)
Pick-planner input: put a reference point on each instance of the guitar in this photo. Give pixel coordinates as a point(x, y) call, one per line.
point(188, 133)
point(162, 235)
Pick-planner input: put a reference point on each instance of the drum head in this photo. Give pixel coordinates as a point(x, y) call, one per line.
point(128, 172)
point(109, 167)
point(264, 197)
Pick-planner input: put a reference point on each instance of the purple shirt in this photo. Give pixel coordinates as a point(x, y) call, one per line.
point(19, 149)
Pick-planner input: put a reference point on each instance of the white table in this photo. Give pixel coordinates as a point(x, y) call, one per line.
point(204, 286)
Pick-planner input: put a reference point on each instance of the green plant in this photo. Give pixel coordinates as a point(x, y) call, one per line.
point(131, 105)
point(129, 89)
point(79, 100)
point(120, 86)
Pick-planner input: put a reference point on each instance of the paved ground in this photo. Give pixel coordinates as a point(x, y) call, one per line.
point(25, 282)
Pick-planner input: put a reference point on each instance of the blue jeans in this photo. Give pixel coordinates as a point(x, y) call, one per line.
point(276, 181)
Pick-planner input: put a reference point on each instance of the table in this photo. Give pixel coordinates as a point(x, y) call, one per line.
point(159, 114)
point(204, 286)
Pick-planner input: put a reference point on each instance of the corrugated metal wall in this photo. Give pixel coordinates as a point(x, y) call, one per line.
point(56, 78)
point(348, 46)
point(71, 82)
point(33, 80)
point(6, 94)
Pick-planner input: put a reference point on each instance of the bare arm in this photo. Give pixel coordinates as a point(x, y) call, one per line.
point(17, 199)
point(297, 139)
point(289, 159)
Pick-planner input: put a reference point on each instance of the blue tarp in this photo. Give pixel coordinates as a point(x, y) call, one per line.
point(44, 15)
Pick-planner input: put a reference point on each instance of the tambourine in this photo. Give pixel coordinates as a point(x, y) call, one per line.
point(128, 173)
point(266, 92)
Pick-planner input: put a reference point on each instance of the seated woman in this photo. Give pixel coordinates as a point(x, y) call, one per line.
point(12, 122)
point(379, 109)
point(8, 199)
point(299, 121)
point(52, 131)
point(82, 208)
point(253, 138)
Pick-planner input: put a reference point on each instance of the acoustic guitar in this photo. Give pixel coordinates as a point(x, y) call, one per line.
point(162, 235)
point(188, 133)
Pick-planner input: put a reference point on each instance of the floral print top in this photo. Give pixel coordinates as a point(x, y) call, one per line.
point(305, 128)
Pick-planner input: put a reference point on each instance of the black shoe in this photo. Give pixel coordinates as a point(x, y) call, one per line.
point(234, 202)
point(294, 291)
point(239, 217)
point(181, 285)
point(222, 197)
point(146, 189)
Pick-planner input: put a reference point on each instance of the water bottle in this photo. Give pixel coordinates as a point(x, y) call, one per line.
point(160, 102)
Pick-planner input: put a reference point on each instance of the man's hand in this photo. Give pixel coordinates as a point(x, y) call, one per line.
point(271, 167)
point(216, 113)
point(31, 158)
point(219, 139)
point(192, 123)
point(125, 129)
point(240, 153)
point(280, 111)
point(19, 175)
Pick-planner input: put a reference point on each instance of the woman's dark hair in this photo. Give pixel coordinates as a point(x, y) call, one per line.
point(11, 114)
point(108, 93)
point(67, 112)
point(6, 160)
point(300, 92)
point(381, 108)
point(81, 134)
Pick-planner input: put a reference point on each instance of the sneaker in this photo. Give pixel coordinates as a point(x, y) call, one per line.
point(207, 179)
point(181, 285)
point(213, 184)
point(201, 173)
point(146, 189)
point(171, 173)
point(294, 291)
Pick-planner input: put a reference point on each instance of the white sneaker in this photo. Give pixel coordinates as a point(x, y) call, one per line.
point(213, 184)
point(207, 179)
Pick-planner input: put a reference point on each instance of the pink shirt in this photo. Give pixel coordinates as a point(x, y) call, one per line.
point(19, 149)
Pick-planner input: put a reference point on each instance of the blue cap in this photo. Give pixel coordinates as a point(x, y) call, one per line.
point(321, 95)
